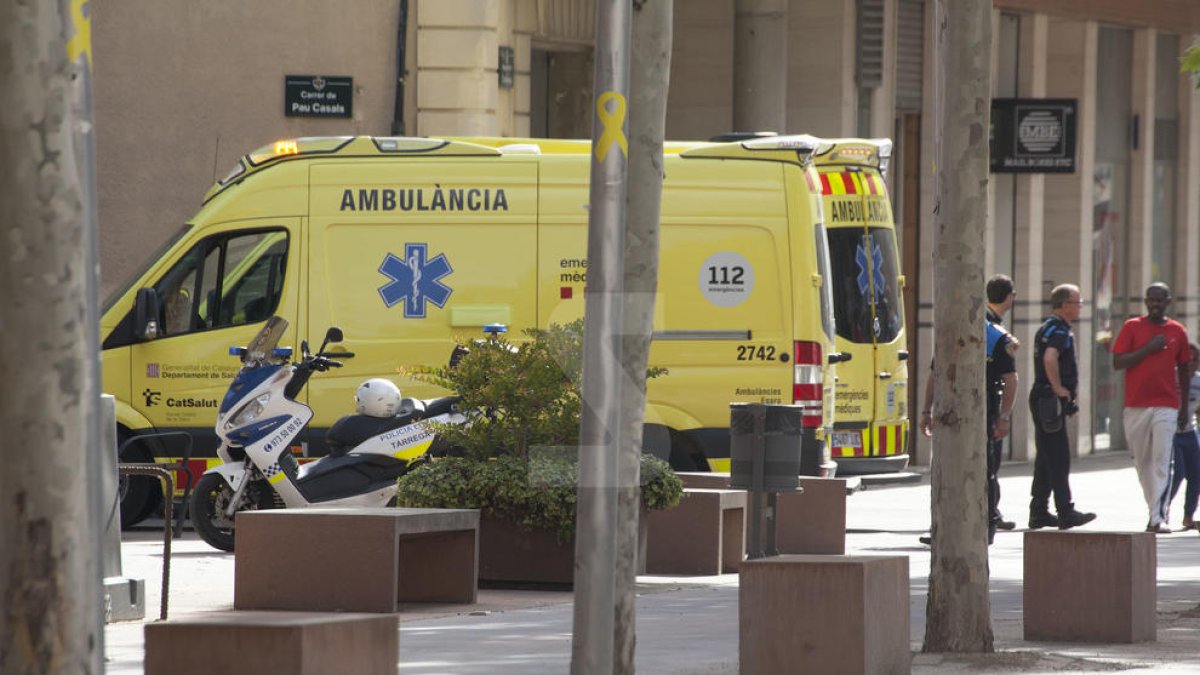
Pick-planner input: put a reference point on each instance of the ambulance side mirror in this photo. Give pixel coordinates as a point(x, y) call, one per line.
point(146, 312)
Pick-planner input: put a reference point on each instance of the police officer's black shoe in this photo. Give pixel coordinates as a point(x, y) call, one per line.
point(1074, 518)
point(1040, 520)
point(1002, 524)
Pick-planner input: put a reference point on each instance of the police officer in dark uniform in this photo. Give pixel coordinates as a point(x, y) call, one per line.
point(1001, 391)
point(1000, 384)
point(1051, 401)
point(1000, 296)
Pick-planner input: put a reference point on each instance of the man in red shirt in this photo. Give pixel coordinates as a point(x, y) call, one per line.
point(1153, 352)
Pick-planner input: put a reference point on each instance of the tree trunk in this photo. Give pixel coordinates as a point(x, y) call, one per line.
point(50, 619)
point(650, 67)
point(958, 614)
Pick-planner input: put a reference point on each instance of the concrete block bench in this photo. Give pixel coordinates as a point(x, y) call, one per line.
point(1090, 586)
point(274, 643)
point(705, 534)
point(813, 520)
point(847, 615)
point(355, 559)
point(810, 521)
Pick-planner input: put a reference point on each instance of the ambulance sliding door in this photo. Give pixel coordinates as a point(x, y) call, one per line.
point(409, 255)
point(722, 308)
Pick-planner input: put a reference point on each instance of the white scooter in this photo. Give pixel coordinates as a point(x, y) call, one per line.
point(259, 419)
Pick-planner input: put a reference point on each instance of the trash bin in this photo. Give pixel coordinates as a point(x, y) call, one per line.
point(780, 426)
point(764, 452)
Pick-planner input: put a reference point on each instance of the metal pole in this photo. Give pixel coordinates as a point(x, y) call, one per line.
point(77, 33)
point(756, 482)
point(592, 647)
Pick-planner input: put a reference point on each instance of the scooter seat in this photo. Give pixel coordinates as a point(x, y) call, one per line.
point(441, 406)
point(349, 431)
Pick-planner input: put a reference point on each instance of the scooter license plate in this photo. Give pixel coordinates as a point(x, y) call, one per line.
point(847, 439)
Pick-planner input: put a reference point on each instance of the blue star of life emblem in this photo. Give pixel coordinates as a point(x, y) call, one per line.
point(415, 280)
point(864, 268)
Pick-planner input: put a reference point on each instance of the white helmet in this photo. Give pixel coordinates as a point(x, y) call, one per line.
point(377, 397)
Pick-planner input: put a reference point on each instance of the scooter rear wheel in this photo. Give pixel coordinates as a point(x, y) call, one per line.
point(210, 498)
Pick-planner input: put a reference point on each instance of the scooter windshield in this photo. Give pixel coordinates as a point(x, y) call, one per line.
point(261, 348)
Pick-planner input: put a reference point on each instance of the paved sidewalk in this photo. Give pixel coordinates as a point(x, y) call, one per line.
point(688, 626)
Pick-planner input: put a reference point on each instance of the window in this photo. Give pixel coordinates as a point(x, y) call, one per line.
point(866, 300)
point(228, 280)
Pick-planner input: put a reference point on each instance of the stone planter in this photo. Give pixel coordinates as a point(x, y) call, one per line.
point(512, 555)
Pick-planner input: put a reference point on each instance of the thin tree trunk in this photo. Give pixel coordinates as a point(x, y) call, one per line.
point(650, 66)
point(958, 613)
point(49, 568)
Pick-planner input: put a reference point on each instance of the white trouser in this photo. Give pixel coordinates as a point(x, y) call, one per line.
point(1150, 433)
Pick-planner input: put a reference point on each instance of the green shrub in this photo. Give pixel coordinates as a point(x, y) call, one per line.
point(517, 451)
point(536, 492)
point(518, 395)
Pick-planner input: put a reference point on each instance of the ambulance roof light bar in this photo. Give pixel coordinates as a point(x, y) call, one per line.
point(874, 151)
point(802, 143)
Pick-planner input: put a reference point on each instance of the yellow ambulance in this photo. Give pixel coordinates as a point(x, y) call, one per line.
point(409, 244)
point(870, 432)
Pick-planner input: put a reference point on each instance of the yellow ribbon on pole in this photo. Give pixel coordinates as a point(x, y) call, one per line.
point(613, 123)
point(81, 43)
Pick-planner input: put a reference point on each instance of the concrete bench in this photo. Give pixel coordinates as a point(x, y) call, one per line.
point(1090, 586)
point(824, 614)
point(274, 643)
point(354, 559)
point(705, 534)
point(810, 521)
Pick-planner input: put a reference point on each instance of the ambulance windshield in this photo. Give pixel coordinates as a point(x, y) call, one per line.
point(866, 301)
point(137, 273)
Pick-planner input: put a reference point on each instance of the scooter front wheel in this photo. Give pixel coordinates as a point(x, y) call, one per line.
point(210, 499)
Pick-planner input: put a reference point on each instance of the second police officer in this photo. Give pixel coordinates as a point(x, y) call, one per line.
point(1051, 401)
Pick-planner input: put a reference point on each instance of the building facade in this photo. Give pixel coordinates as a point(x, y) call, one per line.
point(182, 89)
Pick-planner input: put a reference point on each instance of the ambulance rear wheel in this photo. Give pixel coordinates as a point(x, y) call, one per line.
point(140, 495)
point(656, 440)
point(684, 456)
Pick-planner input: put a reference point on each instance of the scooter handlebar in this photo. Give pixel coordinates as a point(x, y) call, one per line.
point(322, 363)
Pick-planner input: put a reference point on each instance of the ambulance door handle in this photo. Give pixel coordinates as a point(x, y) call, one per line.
point(885, 376)
point(902, 355)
